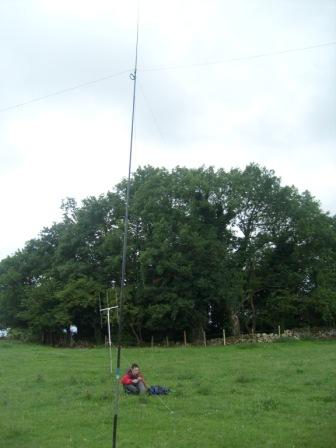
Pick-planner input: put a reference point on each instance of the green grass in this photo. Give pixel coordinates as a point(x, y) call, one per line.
point(274, 395)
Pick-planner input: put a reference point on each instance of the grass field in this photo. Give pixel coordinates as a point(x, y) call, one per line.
point(265, 395)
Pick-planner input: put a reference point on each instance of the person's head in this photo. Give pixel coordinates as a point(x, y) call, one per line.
point(135, 369)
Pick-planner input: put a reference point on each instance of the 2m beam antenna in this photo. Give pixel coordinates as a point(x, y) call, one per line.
point(133, 77)
point(109, 331)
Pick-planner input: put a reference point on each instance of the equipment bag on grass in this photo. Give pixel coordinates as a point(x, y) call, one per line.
point(158, 390)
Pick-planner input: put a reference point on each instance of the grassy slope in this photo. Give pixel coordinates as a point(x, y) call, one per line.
point(275, 395)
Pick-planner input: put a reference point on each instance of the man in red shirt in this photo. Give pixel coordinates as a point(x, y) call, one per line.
point(133, 381)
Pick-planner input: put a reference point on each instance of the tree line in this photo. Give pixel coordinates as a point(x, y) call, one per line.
point(207, 249)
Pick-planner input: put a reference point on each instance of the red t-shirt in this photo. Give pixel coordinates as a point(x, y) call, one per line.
point(129, 377)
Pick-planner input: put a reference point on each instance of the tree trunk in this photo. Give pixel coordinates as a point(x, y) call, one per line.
point(197, 333)
point(254, 320)
point(137, 335)
point(98, 334)
point(235, 324)
point(68, 338)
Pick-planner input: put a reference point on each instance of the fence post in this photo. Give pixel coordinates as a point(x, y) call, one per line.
point(224, 338)
point(167, 341)
point(185, 338)
point(204, 339)
point(279, 330)
point(152, 342)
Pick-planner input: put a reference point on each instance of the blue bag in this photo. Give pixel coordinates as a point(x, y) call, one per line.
point(158, 390)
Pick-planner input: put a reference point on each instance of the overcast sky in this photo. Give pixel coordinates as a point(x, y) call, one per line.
point(202, 99)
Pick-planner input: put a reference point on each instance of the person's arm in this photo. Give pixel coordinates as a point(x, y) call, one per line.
point(126, 379)
point(141, 378)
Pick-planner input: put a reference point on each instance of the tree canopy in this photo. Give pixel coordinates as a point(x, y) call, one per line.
point(207, 249)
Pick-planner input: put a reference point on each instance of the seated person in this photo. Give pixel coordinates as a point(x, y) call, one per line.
point(133, 381)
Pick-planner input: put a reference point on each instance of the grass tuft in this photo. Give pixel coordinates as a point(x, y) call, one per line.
point(106, 396)
point(248, 346)
point(268, 404)
point(331, 398)
point(186, 376)
point(39, 378)
point(313, 382)
point(73, 381)
point(12, 432)
point(179, 392)
point(143, 399)
point(244, 379)
point(88, 395)
point(234, 390)
point(307, 338)
point(285, 340)
point(6, 345)
point(203, 390)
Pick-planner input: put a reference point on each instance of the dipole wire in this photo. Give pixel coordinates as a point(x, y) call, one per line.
point(133, 77)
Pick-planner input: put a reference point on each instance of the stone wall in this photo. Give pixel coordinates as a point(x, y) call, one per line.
point(271, 337)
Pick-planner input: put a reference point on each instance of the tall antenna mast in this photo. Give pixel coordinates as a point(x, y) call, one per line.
point(133, 77)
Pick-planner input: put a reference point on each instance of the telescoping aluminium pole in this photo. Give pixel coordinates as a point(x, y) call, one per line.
point(133, 77)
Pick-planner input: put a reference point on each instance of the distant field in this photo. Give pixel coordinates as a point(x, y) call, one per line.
point(265, 395)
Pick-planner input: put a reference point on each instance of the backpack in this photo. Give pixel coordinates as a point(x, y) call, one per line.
point(158, 390)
